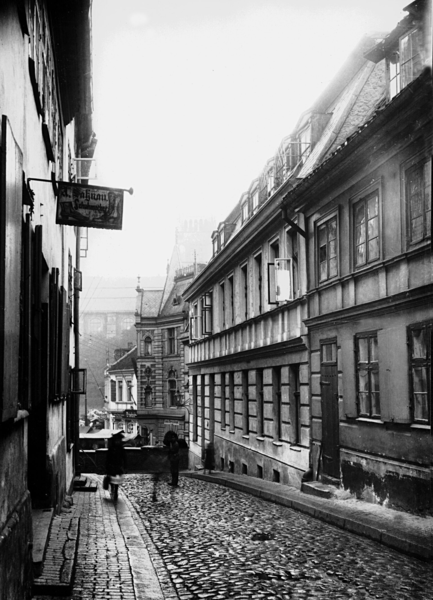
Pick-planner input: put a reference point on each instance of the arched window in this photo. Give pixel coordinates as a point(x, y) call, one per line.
point(146, 346)
point(127, 323)
point(95, 325)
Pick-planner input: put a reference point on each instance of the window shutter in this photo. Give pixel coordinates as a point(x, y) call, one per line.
point(164, 342)
point(11, 180)
point(283, 279)
point(113, 390)
point(272, 299)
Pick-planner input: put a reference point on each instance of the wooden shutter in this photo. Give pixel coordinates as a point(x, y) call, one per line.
point(11, 180)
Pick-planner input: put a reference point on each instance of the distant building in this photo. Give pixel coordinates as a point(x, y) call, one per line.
point(121, 392)
point(161, 323)
point(107, 322)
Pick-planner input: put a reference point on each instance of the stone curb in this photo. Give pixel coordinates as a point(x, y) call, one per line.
point(58, 569)
point(365, 525)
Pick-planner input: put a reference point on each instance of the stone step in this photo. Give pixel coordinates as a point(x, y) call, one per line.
point(318, 489)
point(83, 484)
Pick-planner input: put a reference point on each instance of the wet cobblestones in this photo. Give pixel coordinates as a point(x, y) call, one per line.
point(216, 543)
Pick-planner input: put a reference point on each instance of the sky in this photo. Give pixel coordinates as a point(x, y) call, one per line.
point(192, 97)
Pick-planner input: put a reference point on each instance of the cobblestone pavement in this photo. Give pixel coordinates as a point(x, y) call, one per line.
point(219, 543)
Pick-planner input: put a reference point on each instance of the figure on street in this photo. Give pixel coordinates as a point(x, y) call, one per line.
point(209, 458)
point(116, 462)
point(171, 440)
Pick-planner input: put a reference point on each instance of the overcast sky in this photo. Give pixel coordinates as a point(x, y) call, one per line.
point(191, 97)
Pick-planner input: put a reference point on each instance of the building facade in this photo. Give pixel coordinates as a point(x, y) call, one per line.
point(46, 124)
point(121, 393)
point(161, 325)
point(310, 326)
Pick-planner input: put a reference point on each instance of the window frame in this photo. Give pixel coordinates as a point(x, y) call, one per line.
point(372, 367)
point(364, 197)
point(420, 363)
point(423, 163)
point(317, 226)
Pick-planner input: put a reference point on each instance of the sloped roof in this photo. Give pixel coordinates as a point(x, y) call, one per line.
point(169, 308)
point(127, 361)
point(148, 303)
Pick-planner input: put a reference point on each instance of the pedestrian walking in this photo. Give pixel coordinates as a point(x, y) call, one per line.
point(209, 458)
point(171, 440)
point(116, 462)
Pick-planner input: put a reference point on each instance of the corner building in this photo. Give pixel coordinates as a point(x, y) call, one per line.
point(310, 328)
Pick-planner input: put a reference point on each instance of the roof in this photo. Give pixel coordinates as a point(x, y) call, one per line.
point(148, 303)
point(125, 362)
point(175, 304)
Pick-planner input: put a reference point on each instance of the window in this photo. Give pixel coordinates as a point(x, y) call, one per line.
point(206, 313)
point(194, 324)
point(405, 64)
point(276, 401)
point(146, 346)
point(111, 325)
point(148, 396)
point(215, 242)
point(171, 340)
point(231, 401)
point(95, 325)
point(327, 249)
point(222, 305)
point(292, 252)
point(295, 403)
point(245, 404)
point(172, 391)
point(245, 211)
point(418, 199)
point(244, 290)
point(260, 406)
point(270, 181)
point(255, 200)
point(127, 323)
point(366, 229)
point(420, 337)
point(119, 396)
point(367, 377)
point(231, 298)
point(223, 401)
point(258, 284)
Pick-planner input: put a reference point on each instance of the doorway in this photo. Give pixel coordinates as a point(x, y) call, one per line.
point(330, 414)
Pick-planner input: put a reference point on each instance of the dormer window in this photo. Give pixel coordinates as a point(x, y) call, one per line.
point(255, 200)
point(215, 242)
point(245, 211)
point(221, 234)
point(404, 64)
point(270, 181)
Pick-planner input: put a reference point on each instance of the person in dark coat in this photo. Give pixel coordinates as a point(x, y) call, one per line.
point(116, 462)
point(209, 458)
point(171, 440)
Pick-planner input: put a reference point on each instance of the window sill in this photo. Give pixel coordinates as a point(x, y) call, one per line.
point(420, 426)
point(232, 431)
point(366, 420)
point(259, 438)
point(278, 444)
point(296, 448)
point(246, 437)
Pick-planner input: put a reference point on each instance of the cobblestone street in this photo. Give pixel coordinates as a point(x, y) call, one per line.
point(204, 540)
point(219, 543)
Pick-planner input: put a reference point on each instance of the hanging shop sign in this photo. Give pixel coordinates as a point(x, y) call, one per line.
point(89, 206)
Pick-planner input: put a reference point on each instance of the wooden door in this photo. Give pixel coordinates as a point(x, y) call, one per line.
point(330, 414)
